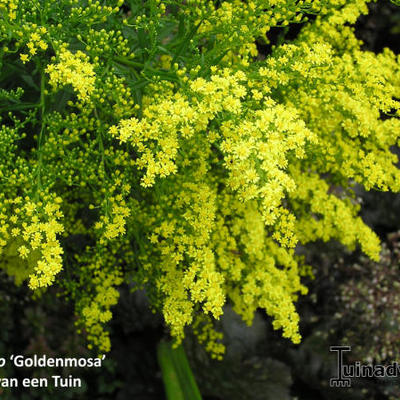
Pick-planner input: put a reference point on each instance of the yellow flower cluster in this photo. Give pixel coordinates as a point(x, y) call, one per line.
point(330, 217)
point(95, 310)
point(99, 273)
point(187, 159)
point(73, 69)
point(35, 42)
point(262, 150)
point(35, 226)
point(10, 7)
point(98, 270)
point(187, 239)
point(256, 278)
point(207, 335)
point(236, 25)
point(113, 223)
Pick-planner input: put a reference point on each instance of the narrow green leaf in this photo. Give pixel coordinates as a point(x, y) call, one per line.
point(169, 374)
point(185, 42)
point(177, 375)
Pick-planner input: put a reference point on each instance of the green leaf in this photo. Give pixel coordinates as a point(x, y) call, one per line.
point(186, 41)
point(177, 375)
point(29, 80)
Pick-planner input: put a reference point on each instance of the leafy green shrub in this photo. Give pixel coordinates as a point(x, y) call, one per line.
point(369, 299)
point(154, 143)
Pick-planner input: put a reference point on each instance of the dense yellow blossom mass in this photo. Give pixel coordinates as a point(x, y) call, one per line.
point(75, 70)
point(162, 150)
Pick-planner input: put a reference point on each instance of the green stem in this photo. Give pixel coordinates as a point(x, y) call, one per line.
point(17, 107)
point(101, 149)
point(130, 63)
point(43, 125)
point(145, 67)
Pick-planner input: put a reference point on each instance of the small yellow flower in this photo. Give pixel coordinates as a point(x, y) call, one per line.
point(23, 251)
point(24, 57)
point(43, 45)
point(35, 37)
